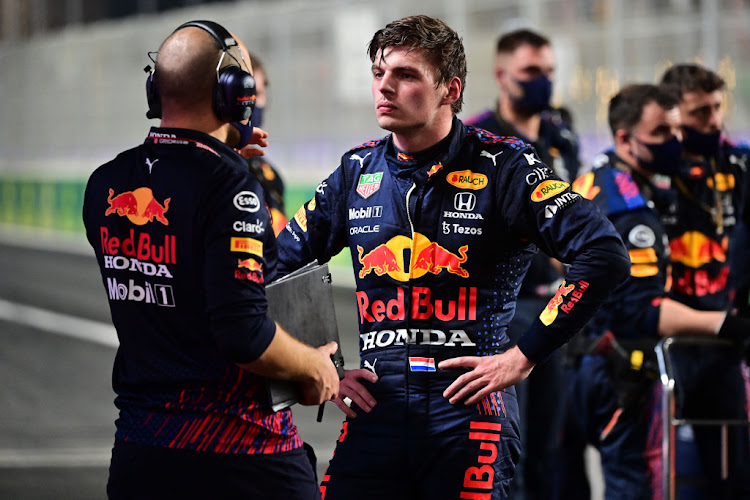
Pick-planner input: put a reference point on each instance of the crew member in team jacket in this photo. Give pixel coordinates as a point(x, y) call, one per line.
point(442, 221)
point(184, 242)
point(709, 189)
point(614, 403)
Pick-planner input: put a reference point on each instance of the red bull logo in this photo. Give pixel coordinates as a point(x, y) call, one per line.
point(381, 260)
point(426, 256)
point(435, 258)
point(694, 249)
point(479, 479)
point(549, 314)
point(434, 169)
point(254, 270)
point(250, 264)
point(698, 283)
point(584, 186)
point(461, 306)
point(139, 206)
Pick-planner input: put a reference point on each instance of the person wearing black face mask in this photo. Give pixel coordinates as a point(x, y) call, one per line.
point(524, 69)
point(709, 188)
point(260, 167)
point(610, 401)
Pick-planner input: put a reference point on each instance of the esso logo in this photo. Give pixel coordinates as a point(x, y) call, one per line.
point(247, 201)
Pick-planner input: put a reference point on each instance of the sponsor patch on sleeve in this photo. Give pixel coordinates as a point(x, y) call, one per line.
point(246, 245)
point(301, 218)
point(547, 189)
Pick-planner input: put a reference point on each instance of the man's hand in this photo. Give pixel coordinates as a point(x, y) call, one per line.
point(352, 389)
point(259, 139)
point(324, 384)
point(488, 374)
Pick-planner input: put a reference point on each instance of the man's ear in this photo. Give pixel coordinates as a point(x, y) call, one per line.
point(499, 73)
point(623, 146)
point(453, 90)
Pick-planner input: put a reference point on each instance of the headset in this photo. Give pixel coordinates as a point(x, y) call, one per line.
point(234, 94)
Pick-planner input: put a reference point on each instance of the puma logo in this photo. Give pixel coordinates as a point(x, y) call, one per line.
point(370, 366)
point(150, 164)
point(360, 159)
point(490, 156)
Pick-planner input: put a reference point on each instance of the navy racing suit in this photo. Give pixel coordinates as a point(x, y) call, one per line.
point(617, 408)
point(441, 241)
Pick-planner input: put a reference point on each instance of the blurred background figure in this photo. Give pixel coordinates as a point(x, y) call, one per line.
point(260, 167)
point(707, 262)
point(613, 401)
point(524, 73)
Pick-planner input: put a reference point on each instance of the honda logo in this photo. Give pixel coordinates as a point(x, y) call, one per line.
point(465, 202)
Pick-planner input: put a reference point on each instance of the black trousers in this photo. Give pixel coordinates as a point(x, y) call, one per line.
point(152, 472)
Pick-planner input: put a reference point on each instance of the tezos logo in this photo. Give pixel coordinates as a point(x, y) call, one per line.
point(247, 201)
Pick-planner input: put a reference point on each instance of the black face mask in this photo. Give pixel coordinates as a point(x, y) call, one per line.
point(667, 157)
point(536, 95)
point(256, 119)
point(246, 133)
point(699, 143)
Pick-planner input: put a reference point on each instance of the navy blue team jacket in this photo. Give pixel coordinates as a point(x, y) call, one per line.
point(184, 241)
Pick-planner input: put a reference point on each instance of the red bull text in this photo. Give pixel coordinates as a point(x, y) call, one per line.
point(463, 307)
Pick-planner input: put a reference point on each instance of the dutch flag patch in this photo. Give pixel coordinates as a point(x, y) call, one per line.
point(422, 364)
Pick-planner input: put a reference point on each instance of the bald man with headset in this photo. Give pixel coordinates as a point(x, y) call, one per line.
point(184, 242)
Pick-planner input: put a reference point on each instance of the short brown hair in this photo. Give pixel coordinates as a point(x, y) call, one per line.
point(443, 46)
point(682, 78)
point(626, 107)
point(509, 42)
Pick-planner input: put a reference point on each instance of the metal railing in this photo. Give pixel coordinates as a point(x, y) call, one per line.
point(669, 419)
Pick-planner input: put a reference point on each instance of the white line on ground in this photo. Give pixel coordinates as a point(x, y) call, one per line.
point(55, 457)
point(64, 324)
point(45, 239)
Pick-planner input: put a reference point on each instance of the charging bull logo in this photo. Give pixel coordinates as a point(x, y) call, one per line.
point(585, 186)
point(549, 314)
point(139, 206)
point(250, 265)
point(694, 249)
point(426, 256)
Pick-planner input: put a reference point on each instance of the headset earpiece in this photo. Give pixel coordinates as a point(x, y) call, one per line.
point(234, 95)
point(152, 95)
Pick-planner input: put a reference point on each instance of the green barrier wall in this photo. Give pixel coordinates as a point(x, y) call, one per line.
point(57, 205)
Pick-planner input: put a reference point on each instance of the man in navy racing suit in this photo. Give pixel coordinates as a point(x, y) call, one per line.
point(613, 403)
point(442, 221)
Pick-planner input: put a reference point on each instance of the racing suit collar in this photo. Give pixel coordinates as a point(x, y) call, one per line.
point(191, 138)
point(422, 165)
point(654, 195)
